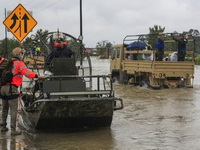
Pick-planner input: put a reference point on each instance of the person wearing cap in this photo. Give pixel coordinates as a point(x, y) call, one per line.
point(61, 50)
point(182, 41)
point(10, 93)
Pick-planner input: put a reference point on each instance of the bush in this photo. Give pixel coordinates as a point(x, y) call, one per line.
point(197, 60)
point(188, 58)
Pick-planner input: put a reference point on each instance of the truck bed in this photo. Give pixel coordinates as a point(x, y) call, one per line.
point(170, 69)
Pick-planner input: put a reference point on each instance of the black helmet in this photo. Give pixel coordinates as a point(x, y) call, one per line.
point(60, 39)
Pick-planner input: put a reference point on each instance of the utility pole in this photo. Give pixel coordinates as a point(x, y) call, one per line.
point(81, 33)
point(5, 52)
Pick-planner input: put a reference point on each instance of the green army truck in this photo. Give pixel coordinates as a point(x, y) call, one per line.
point(138, 66)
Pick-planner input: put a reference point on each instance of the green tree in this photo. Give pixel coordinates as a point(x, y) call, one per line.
point(42, 40)
point(27, 42)
point(197, 44)
point(153, 33)
point(196, 36)
point(75, 47)
point(42, 35)
point(193, 41)
point(103, 47)
point(11, 44)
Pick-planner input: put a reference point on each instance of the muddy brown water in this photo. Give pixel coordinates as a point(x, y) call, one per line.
point(167, 119)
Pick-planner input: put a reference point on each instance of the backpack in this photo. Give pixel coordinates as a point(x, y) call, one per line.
point(3, 64)
point(6, 71)
point(6, 76)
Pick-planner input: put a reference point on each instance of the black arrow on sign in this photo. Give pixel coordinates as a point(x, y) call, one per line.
point(14, 18)
point(25, 18)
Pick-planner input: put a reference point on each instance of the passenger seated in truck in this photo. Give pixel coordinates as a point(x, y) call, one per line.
point(173, 57)
point(133, 56)
point(147, 56)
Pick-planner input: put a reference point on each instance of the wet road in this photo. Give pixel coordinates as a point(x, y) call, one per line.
point(166, 119)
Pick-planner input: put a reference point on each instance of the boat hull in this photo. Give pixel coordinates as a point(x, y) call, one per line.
point(66, 114)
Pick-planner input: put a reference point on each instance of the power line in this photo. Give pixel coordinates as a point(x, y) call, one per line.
point(38, 4)
point(48, 6)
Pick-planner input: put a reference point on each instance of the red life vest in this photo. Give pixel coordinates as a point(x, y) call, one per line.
point(56, 44)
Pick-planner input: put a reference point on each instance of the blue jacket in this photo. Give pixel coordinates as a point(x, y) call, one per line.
point(160, 44)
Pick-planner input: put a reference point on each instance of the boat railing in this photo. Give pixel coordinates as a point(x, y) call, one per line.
point(70, 85)
point(64, 88)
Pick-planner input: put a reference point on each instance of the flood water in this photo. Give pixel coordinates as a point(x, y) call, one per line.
point(167, 119)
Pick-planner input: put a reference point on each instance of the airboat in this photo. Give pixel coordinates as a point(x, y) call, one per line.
point(68, 96)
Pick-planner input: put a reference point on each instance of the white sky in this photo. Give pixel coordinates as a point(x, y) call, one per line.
point(108, 20)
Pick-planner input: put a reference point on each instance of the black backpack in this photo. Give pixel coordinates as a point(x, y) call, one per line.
point(6, 71)
point(6, 77)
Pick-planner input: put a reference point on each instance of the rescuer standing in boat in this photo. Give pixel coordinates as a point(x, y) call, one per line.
point(61, 50)
point(182, 41)
point(9, 90)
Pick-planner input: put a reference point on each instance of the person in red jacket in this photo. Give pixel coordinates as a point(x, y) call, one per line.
point(10, 92)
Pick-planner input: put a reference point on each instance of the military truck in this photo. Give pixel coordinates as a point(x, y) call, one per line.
point(138, 65)
point(69, 96)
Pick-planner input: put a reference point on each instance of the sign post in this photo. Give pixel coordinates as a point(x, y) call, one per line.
point(19, 22)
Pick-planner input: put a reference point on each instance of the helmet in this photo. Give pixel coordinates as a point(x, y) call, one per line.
point(17, 51)
point(60, 39)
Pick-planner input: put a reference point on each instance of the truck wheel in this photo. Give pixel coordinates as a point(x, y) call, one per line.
point(115, 76)
point(153, 83)
point(123, 77)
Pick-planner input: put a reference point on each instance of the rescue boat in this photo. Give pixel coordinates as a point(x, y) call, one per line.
point(68, 96)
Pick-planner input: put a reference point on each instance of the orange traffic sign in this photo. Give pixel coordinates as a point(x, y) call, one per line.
point(20, 22)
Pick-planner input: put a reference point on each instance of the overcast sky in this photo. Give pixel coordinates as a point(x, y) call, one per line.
point(108, 20)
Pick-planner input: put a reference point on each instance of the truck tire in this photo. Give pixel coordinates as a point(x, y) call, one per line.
point(123, 77)
point(115, 75)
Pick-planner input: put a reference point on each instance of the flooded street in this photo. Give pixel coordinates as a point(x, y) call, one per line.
point(167, 119)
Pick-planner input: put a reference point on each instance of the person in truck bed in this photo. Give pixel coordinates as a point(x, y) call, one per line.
point(182, 41)
point(160, 48)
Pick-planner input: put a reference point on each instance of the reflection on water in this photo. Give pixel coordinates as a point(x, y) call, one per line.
point(165, 119)
point(12, 143)
point(86, 139)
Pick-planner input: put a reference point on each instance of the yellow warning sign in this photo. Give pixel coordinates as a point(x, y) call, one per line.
point(20, 22)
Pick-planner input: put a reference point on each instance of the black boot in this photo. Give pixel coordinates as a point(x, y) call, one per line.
point(4, 128)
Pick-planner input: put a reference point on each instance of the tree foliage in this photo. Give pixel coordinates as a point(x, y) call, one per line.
point(75, 46)
point(6, 49)
point(153, 33)
point(7, 45)
point(103, 46)
point(196, 36)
